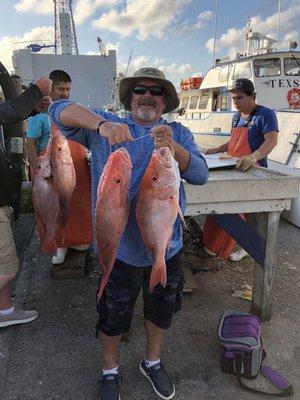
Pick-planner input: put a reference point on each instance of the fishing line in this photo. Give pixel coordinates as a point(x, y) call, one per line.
point(134, 140)
point(142, 137)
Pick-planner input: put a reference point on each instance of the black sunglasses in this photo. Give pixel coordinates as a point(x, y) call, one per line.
point(154, 90)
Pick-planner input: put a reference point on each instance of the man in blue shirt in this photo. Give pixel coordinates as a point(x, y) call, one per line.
point(147, 95)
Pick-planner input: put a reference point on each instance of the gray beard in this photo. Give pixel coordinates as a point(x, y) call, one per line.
point(146, 115)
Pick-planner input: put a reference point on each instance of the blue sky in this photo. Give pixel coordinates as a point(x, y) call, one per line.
point(174, 35)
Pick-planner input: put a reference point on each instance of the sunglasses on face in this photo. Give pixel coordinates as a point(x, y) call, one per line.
point(154, 90)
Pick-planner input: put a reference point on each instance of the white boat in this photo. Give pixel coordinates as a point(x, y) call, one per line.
point(206, 107)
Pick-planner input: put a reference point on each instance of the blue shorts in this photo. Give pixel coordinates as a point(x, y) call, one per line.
point(125, 282)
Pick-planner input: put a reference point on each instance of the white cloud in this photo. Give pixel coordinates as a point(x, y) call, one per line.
point(83, 9)
point(173, 72)
point(37, 6)
point(234, 38)
point(10, 43)
point(147, 18)
point(201, 22)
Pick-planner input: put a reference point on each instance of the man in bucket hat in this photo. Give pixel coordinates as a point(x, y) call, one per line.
point(253, 136)
point(147, 95)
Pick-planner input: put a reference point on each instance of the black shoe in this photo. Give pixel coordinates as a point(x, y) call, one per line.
point(109, 389)
point(159, 379)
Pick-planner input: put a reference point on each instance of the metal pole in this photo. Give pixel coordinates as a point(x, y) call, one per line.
point(128, 63)
point(215, 32)
point(278, 23)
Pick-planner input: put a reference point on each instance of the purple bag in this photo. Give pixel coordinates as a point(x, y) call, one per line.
point(241, 351)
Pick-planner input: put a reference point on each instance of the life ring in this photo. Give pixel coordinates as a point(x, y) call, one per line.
point(293, 97)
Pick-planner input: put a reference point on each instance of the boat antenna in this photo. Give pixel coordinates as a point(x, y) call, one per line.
point(215, 32)
point(278, 23)
point(128, 63)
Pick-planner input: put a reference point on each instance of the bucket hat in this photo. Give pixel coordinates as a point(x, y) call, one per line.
point(155, 75)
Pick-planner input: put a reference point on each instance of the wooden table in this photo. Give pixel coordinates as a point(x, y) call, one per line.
point(262, 194)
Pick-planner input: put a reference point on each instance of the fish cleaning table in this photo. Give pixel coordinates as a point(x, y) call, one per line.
point(260, 193)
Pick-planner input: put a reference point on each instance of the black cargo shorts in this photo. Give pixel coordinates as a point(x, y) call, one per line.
point(116, 305)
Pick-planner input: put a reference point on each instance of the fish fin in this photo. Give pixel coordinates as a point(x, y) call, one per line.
point(181, 216)
point(158, 274)
point(102, 285)
point(177, 207)
point(169, 242)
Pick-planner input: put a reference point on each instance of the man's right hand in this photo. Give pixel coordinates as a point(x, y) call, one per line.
point(115, 132)
point(45, 85)
point(212, 151)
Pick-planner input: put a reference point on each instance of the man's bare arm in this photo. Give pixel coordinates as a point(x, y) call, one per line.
point(32, 153)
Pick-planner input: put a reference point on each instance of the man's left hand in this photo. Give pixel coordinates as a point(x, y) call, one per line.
point(43, 105)
point(247, 162)
point(163, 137)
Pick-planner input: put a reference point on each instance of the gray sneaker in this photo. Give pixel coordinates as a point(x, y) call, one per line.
point(17, 317)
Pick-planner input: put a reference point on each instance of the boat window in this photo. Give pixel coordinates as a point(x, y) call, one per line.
point(292, 66)
point(203, 100)
point(193, 102)
point(184, 102)
point(224, 74)
point(242, 70)
point(267, 67)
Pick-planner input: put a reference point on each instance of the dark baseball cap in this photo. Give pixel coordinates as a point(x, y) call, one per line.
point(243, 85)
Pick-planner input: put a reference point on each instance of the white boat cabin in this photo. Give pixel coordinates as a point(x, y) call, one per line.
point(276, 77)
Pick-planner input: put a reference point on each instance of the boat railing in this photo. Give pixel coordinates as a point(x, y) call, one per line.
point(287, 110)
point(208, 114)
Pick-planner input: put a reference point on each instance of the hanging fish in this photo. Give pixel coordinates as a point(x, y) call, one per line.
point(112, 209)
point(64, 175)
point(46, 202)
point(157, 209)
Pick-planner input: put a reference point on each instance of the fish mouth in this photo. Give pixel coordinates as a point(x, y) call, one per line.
point(165, 155)
point(124, 153)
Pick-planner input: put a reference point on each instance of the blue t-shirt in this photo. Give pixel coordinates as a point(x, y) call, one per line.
point(261, 122)
point(132, 249)
point(38, 128)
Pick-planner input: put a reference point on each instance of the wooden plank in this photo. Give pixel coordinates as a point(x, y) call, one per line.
point(267, 227)
point(242, 189)
point(214, 207)
point(190, 283)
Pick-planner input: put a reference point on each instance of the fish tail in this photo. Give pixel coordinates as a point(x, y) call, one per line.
point(158, 274)
point(102, 285)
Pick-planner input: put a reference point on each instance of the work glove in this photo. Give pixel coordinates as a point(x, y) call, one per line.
point(247, 162)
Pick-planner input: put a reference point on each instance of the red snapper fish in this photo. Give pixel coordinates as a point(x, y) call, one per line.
point(63, 173)
point(112, 209)
point(157, 209)
point(46, 202)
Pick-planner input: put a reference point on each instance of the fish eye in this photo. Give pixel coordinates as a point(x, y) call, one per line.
point(117, 180)
point(154, 178)
point(59, 149)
